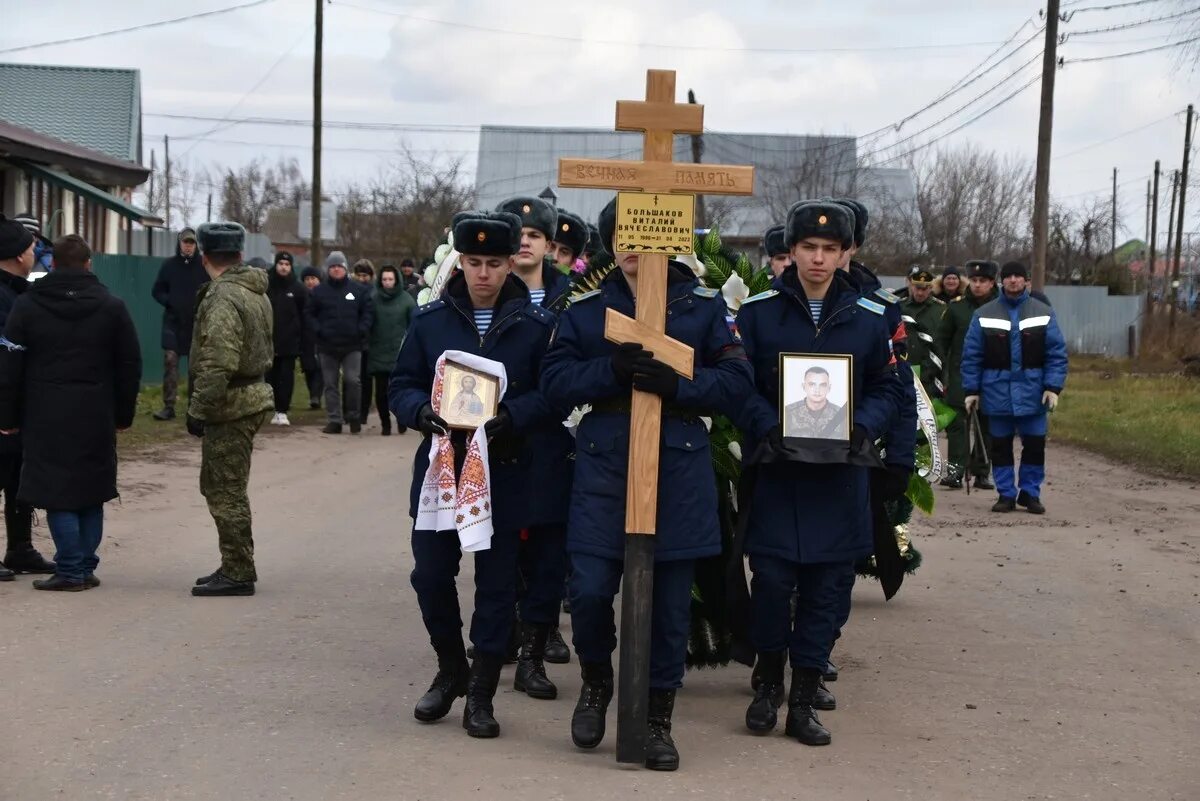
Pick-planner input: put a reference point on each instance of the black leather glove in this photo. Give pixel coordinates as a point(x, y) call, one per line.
point(860, 440)
point(651, 375)
point(499, 426)
point(622, 361)
point(893, 482)
point(195, 426)
point(428, 421)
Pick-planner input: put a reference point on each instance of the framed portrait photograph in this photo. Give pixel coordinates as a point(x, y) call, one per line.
point(815, 396)
point(469, 398)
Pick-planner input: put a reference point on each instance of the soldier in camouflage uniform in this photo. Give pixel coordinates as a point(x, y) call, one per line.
point(815, 416)
point(231, 352)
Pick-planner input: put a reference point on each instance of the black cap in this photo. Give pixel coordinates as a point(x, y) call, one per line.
point(920, 275)
point(981, 268)
point(594, 244)
point(283, 255)
point(310, 270)
point(860, 219)
point(487, 233)
point(951, 270)
point(814, 218)
point(607, 225)
point(407, 263)
point(1014, 268)
point(15, 238)
point(221, 237)
point(533, 212)
point(571, 231)
point(774, 241)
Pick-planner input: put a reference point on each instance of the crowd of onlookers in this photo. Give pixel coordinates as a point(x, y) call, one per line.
point(343, 324)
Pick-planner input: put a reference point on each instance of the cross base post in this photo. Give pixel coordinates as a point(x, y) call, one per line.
point(633, 690)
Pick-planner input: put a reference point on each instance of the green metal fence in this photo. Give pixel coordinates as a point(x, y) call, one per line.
point(131, 278)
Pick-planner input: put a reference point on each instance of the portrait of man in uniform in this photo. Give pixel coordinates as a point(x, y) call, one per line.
point(815, 399)
point(469, 399)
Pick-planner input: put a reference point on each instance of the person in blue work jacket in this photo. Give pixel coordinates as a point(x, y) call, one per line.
point(585, 368)
point(1014, 366)
point(486, 311)
point(808, 523)
point(549, 450)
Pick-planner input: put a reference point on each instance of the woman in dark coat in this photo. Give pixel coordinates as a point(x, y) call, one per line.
point(288, 299)
point(69, 377)
point(394, 308)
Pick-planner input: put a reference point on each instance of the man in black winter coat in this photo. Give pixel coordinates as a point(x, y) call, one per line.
point(16, 261)
point(69, 379)
point(339, 311)
point(288, 299)
point(179, 278)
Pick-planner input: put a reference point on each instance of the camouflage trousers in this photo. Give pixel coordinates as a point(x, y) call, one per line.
point(224, 478)
point(170, 378)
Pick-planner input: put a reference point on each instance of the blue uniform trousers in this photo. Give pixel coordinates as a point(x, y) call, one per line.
point(843, 612)
point(1032, 430)
point(436, 556)
point(543, 560)
point(822, 589)
point(593, 585)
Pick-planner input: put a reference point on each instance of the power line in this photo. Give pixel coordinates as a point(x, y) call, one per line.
point(144, 26)
point(349, 125)
point(1127, 25)
point(1132, 52)
point(461, 25)
point(1109, 7)
point(1121, 135)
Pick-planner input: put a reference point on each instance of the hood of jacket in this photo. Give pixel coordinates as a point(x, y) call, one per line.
point(16, 283)
point(247, 277)
point(69, 294)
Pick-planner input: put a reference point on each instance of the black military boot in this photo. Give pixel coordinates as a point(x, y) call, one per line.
point(478, 714)
point(831, 671)
point(587, 722)
point(824, 699)
point(762, 714)
point(531, 676)
point(208, 578)
point(557, 651)
point(661, 753)
point(1031, 503)
point(449, 683)
point(223, 585)
point(1004, 504)
point(802, 721)
point(6, 574)
point(28, 561)
point(984, 483)
point(21, 556)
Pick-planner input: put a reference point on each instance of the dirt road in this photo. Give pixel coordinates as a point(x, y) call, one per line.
point(1031, 658)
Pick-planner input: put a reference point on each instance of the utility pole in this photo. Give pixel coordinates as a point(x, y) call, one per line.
point(1153, 237)
point(152, 200)
point(1147, 239)
point(316, 146)
point(1183, 179)
point(1041, 185)
point(1113, 250)
point(697, 152)
point(167, 181)
point(208, 216)
point(1171, 226)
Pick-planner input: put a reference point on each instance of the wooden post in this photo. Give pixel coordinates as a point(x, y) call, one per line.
point(1170, 229)
point(659, 118)
point(1183, 180)
point(167, 179)
point(1153, 240)
point(315, 256)
point(1041, 178)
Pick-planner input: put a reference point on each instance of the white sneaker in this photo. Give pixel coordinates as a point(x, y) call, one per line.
point(282, 419)
point(275, 419)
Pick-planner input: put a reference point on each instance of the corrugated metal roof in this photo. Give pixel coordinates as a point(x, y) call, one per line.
point(98, 108)
point(524, 161)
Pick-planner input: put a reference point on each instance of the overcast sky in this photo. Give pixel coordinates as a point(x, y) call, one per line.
point(554, 62)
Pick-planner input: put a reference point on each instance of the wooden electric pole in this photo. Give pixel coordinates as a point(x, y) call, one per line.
point(1183, 180)
point(167, 179)
point(1113, 249)
point(697, 154)
point(1170, 227)
point(317, 257)
point(208, 215)
point(1041, 185)
point(1153, 237)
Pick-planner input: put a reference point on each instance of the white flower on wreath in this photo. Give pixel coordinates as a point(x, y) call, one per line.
point(576, 415)
point(734, 292)
point(695, 265)
point(735, 448)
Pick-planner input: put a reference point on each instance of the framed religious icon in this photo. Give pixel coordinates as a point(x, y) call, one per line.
point(469, 397)
point(815, 398)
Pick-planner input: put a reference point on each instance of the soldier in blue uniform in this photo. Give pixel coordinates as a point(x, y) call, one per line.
point(808, 523)
point(777, 250)
point(570, 239)
point(1014, 359)
point(585, 368)
point(548, 452)
point(487, 311)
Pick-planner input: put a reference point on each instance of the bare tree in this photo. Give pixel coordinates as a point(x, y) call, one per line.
point(189, 184)
point(250, 191)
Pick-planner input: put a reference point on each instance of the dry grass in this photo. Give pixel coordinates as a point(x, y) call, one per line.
point(1146, 419)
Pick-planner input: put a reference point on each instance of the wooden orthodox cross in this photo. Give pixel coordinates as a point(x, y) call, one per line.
point(659, 117)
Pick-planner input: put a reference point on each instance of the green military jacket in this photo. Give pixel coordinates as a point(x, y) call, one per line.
point(232, 347)
point(922, 322)
point(951, 337)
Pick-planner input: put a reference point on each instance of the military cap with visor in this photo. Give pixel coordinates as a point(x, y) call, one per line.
point(221, 237)
point(981, 268)
point(921, 276)
point(571, 231)
point(819, 219)
point(487, 233)
point(533, 212)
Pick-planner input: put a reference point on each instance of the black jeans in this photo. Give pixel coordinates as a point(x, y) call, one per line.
point(380, 383)
point(18, 516)
point(282, 378)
